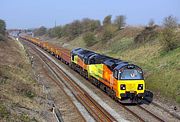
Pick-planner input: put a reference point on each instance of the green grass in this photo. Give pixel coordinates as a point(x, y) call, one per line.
point(78, 42)
point(120, 45)
point(164, 77)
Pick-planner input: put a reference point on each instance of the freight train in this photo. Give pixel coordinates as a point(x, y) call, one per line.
point(121, 80)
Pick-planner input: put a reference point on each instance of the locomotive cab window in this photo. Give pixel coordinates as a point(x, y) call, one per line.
point(115, 74)
point(72, 57)
point(85, 60)
point(131, 74)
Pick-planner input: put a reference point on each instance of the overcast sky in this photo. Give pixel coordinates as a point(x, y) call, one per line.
point(35, 13)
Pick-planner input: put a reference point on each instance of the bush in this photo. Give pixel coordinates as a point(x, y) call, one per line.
point(107, 20)
point(90, 25)
point(89, 39)
point(29, 94)
point(107, 33)
point(169, 34)
point(24, 118)
point(55, 32)
point(148, 34)
point(120, 21)
point(169, 39)
point(40, 31)
point(25, 89)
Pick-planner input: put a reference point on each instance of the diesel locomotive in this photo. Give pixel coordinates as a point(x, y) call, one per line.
point(119, 79)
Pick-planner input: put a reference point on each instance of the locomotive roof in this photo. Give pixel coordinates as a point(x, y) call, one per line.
point(84, 53)
point(77, 50)
point(120, 65)
point(111, 62)
point(127, 65)
point(101, 58)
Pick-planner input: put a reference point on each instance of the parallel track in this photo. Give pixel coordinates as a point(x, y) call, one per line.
point(150, 113)
point(177, 116)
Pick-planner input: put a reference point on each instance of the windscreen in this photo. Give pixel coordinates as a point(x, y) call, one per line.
point(130, 74)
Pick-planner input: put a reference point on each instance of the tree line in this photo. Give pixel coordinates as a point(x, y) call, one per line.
point(92, 30)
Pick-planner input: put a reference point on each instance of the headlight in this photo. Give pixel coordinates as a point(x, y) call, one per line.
point(140, 86)
point(123, 87)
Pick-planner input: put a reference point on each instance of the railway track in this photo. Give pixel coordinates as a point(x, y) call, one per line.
point(151, 114)
point(98, 112)
point(130, 109)
point(177, 116)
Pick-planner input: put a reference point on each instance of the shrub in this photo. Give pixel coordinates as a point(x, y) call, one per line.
point(29, 93)
point(25, 89)
point(169, 34)
point(151, 23)
point(120, 21)
point(24, 118)
point(40, 31)
point(55, 32)
point(90, 25)
point(107, 20)
point(107, 33)
point(168, 39)
point(148, 34)
point(89, 39)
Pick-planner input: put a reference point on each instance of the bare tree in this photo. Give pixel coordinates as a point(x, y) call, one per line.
point(107, 20)
point(120, 21)
point(170, 22)
point(151, 23)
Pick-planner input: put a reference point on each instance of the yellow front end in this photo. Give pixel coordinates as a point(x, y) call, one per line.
point(130, 88)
